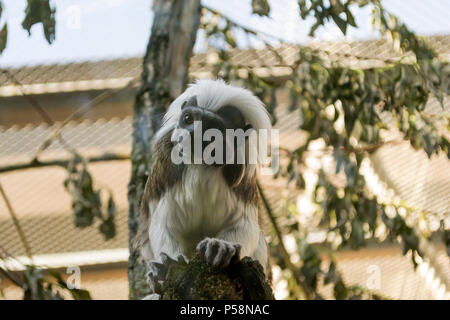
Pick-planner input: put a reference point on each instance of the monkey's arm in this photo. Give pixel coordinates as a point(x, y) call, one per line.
point(245, 232)
point(241, 238)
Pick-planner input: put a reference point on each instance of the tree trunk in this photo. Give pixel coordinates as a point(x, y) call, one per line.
point(164, 76)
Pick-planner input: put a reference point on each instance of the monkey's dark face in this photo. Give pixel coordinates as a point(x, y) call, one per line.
point(203, 124)
point(194, 116)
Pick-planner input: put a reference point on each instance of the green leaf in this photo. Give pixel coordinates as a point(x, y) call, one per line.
point(357, 234)
point(3, 37)
point(108, 228)
point(311, 264)
point(350, 18)
point(332, 275)
point(261, 7)
point(39, 11)
point(341, 23)
point(340, 291)
point(80, 294)
point(111, 206)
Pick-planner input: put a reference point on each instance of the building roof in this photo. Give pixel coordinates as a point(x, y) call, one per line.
point(114, 73)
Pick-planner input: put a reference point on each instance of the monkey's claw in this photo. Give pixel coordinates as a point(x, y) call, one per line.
point(158, 270)
point(153, 282)
point(218, 252)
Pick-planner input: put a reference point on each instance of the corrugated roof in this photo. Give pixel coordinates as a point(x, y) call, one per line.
point(95, 75)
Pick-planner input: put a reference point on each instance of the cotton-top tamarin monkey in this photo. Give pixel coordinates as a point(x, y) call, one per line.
point(211, 208)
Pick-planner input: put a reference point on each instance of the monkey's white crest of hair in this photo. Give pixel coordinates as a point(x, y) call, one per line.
point(214, 94)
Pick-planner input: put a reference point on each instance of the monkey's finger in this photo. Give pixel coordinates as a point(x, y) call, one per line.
point(201, 247)
point(159, 270)
point(165, 259)
point(227, 253)
point(237, 255)
point(153, 282)
point(155, 267)
point(182, 258)
point(237, 247)
point(212, 250)
point(222, 252)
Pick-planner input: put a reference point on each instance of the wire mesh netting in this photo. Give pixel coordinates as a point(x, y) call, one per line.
point(43, 206)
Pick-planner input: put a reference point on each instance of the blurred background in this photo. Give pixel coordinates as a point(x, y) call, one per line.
point(87, 80)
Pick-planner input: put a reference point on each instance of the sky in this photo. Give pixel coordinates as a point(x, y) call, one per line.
point(101, 29)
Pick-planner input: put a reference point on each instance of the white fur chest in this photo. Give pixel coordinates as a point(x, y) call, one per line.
point(201, 206)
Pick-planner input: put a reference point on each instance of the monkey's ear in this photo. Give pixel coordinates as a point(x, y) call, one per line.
point(191, 102)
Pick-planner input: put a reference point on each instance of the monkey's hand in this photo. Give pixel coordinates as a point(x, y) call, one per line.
point(218, 252)
point(158, 271)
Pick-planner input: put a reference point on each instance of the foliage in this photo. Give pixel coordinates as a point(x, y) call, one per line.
point(323, 11)
point(47, 284)
point(367, 102)
point(86, 201)
point(39, 11)
point(43, 284)
point(3, 32)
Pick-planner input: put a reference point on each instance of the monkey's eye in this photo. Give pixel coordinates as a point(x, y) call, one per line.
point(188, 118)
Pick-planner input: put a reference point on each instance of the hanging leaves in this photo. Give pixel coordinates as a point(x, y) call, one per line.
point(343, 107)
point(398, 228)
point(86, 201)
point(323, 11)
point(42, 284)
point(108, 227)
point(3, 32)
point(397, 32)
point(3, 37)
point(39, 11)
point(311, 264)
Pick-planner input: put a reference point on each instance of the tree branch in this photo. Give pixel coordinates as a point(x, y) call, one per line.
point(62, 163)
point(56, 134)
point(34, 103)
point(76, 114)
